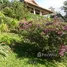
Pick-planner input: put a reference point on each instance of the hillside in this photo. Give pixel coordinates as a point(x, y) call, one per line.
point(28, 40)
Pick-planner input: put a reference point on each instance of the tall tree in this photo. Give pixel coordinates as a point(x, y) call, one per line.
point(65, 9)
point(3, 1)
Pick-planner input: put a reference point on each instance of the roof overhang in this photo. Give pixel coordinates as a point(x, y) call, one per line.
point(43, 10)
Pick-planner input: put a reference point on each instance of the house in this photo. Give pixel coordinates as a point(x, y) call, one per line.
point(35, 8)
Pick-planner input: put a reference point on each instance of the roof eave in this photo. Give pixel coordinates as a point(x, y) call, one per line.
point(48, 11)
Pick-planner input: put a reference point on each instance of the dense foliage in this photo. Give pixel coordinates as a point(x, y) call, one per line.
point(11, 9)
point(23, 34)
point(46, 36)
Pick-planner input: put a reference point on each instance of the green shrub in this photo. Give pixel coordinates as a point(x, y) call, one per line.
point(14, 10)
point(9, 38)
point(7, 11)
point(3, 27)
point(1, 14)
point(10, 22)
point(36, 18)
point(4, 49)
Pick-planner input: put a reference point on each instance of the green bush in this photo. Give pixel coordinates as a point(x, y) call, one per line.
point(3, 27)
point(7, 11)
point(36, 18)
point(1, 14)
point(4, 49)
point(14, 10)
point(9, 38)
point(10, 22)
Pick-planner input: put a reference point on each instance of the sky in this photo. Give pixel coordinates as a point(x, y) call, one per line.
point(53, 3)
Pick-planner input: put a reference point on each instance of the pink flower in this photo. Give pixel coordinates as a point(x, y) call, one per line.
point(62, 50)
point(65, 27)
point(49, 30)
point(60, 33)
point(30, 24)
point(25, 23)
point(61, 54)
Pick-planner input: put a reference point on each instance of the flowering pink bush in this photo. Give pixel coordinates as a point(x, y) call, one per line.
point(24, 25)
point(62, 50)
point(46, 37)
